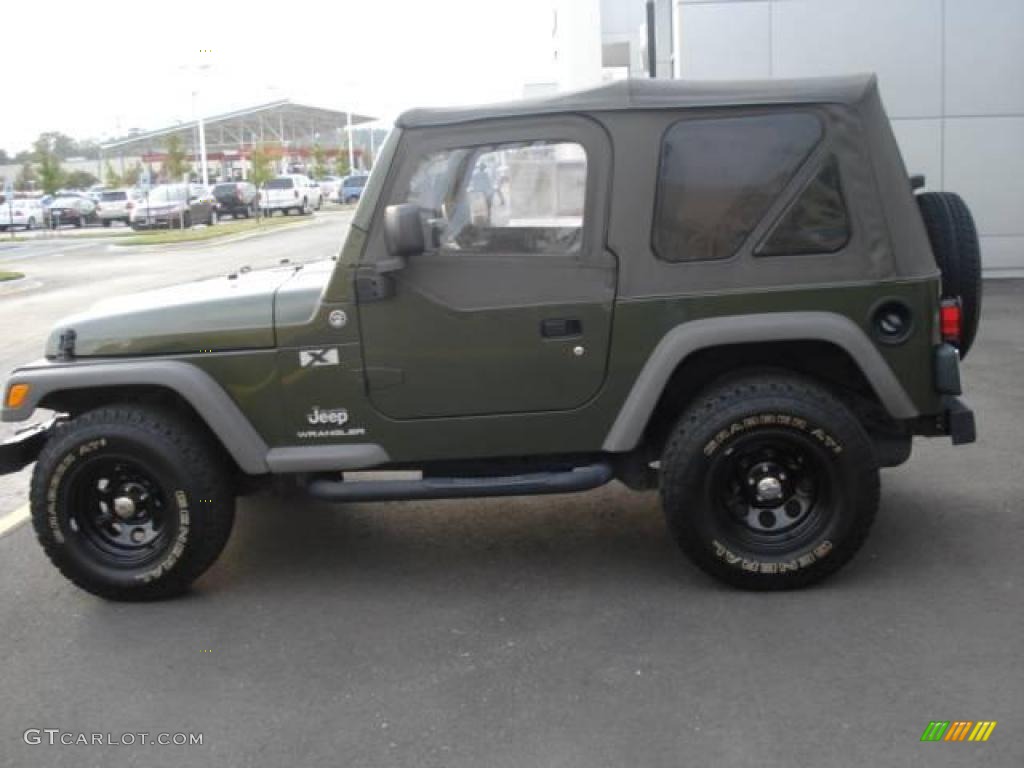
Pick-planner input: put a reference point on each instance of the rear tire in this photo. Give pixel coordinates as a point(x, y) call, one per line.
point(954, 240)
point(769, 482)
point(131, 503)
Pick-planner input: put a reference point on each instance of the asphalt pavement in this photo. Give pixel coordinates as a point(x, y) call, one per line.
point(552, 631)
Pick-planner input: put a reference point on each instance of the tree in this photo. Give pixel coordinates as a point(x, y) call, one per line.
point(26, 177)
point(261, 167)
point(319, 162)
point(88, 149)
point(262, 164)
point(341, 163)
point(112, 178)
point(79, 179)
point(175, 165)
point(132, 175)
point(59, 144)
point(51, 175)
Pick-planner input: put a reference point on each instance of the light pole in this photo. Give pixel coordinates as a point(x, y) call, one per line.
point(351, 154)
point(197, 113)
point(202, 151)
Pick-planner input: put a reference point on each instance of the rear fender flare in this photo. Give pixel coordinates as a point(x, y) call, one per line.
point(683, 340)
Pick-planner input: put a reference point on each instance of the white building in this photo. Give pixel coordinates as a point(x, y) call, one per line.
point(951, 74)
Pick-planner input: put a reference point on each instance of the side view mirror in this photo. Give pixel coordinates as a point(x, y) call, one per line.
point(403, 230)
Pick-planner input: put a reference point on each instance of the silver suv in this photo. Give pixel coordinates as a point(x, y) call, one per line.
point(116, 205)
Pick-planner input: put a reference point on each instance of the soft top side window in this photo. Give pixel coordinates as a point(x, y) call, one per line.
point(521, 197)
point(817, 220)
point(718, 177)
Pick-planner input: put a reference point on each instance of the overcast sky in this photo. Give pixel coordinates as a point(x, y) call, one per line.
point(98, 69)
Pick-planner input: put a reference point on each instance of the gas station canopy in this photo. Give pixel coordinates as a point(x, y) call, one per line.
point(283, 123)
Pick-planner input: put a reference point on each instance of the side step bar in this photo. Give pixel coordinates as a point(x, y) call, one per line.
point(578, 479)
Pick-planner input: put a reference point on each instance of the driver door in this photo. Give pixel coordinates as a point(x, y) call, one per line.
point(509, 308)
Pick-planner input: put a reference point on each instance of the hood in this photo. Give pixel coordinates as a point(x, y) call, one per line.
point(226, 313)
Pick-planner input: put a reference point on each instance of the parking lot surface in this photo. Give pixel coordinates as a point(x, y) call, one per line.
point(549, 631)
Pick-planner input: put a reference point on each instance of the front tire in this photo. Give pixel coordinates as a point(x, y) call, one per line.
point(131, 503)
point(769, 482)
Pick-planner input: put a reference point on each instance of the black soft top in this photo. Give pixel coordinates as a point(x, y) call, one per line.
point(660, 94)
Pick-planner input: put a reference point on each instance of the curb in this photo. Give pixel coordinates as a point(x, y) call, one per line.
point(18, 285)
point(224, 239)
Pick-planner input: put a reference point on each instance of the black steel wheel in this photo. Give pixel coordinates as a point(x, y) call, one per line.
point(769, 482)
point(119, 508)
point(131, 503)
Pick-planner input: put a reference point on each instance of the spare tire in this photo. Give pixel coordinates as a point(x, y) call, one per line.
point(954, 241)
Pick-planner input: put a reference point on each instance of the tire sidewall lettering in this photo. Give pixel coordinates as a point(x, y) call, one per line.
point(747, 423)
point(180, 541)
point(806, 559)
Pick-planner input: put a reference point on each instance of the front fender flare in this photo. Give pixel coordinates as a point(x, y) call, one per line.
point(198, 388)
point(683, 340)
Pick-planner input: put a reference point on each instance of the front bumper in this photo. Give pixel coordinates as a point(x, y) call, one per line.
point(23, 449)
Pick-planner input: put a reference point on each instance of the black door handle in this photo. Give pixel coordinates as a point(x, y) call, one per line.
point(560, 327)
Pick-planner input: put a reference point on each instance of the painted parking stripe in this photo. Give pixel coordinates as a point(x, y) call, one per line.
point(13, 520)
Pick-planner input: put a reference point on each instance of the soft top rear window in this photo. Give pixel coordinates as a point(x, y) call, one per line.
point(718, 177)
point(108, 197)
point(280, 184)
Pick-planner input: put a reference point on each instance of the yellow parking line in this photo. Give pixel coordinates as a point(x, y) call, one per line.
point(13, 520)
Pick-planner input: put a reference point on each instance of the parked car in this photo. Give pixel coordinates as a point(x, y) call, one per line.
point(116, 205)
point(71, 208)
point(174, 205)
point(290, 192)
point(754, 315)
point(239, 198)
point(329, 186)
point(27, 213)
point(351, 188)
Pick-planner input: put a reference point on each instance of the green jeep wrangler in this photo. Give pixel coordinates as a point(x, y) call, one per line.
point(732, 293)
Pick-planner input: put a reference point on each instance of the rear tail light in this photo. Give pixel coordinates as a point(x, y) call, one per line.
point(98, 206)
point(951, 320)
point(130, 205)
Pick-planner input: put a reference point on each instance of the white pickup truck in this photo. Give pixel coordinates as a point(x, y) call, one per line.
point(291, 192)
